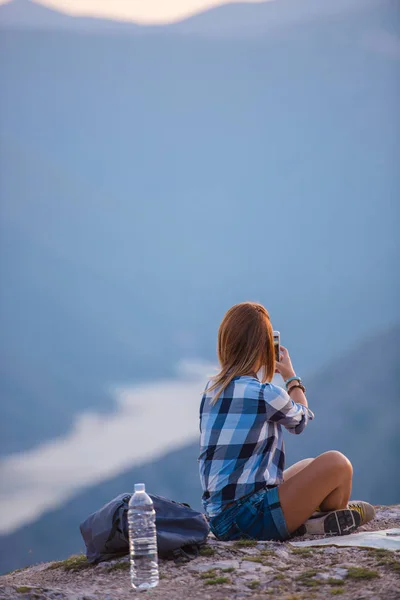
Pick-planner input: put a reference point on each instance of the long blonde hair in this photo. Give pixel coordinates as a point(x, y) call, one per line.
point(245, 339)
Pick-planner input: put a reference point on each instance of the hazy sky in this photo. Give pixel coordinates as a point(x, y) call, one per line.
point(137, 10)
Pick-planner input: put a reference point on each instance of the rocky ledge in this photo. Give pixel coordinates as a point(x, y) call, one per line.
point(228, 571)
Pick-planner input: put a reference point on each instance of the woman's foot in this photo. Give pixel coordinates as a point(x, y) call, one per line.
point(336, 522)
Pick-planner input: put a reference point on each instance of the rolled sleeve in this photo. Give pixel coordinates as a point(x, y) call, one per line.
point(282, 410)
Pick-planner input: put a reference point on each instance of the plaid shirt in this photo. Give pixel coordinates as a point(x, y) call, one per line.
point(241, 444)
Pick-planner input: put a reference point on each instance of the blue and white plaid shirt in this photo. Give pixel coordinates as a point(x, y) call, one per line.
point(241, 443)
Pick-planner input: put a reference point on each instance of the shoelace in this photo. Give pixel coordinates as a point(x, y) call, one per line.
point(359, 508)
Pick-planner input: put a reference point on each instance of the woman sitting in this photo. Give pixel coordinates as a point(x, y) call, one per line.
point(246, 491)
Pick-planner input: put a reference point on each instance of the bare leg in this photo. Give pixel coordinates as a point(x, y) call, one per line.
point(325, 482)
point(293, 469)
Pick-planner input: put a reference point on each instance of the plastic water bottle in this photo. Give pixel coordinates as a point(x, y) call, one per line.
point(142, 540)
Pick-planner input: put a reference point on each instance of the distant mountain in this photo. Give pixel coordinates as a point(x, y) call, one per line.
point(247, 20)
point(26, 14)
point(235, 21)
point(355, 400)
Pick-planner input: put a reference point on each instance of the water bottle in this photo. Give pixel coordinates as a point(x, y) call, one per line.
point(142, 540)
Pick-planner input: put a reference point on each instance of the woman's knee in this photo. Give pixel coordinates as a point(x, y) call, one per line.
point(303, 463)
point(336, 461)
point(296, 468)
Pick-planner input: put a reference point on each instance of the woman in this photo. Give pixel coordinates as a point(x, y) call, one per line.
point(246, 492)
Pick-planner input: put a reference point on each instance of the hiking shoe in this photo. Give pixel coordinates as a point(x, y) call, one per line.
point(336, 522)
point(365, 510)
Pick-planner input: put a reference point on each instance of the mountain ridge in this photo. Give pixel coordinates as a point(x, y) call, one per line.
point(225, 20)
point(28, 14)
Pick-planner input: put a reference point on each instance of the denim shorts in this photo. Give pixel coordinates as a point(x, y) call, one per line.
point(258, 516)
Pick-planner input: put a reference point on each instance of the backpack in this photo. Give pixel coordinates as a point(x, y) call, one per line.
point(181, 531)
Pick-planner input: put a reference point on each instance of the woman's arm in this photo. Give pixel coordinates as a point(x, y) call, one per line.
point(285, 368)
point(283, 410)
point(292, 410)
point(297, 394)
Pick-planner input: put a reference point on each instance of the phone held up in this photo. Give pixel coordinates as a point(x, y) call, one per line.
point(277, 344)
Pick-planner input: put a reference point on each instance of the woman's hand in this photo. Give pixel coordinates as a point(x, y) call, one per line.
point(284, 366)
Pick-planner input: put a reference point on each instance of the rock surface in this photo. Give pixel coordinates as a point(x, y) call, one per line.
point(228, 571)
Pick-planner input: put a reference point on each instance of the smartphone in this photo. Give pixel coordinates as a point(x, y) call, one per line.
point(277, 344)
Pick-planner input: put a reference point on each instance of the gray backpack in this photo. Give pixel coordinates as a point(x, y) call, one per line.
point(180, 530)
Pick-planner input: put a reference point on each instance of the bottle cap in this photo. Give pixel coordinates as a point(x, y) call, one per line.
point(139, 487)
